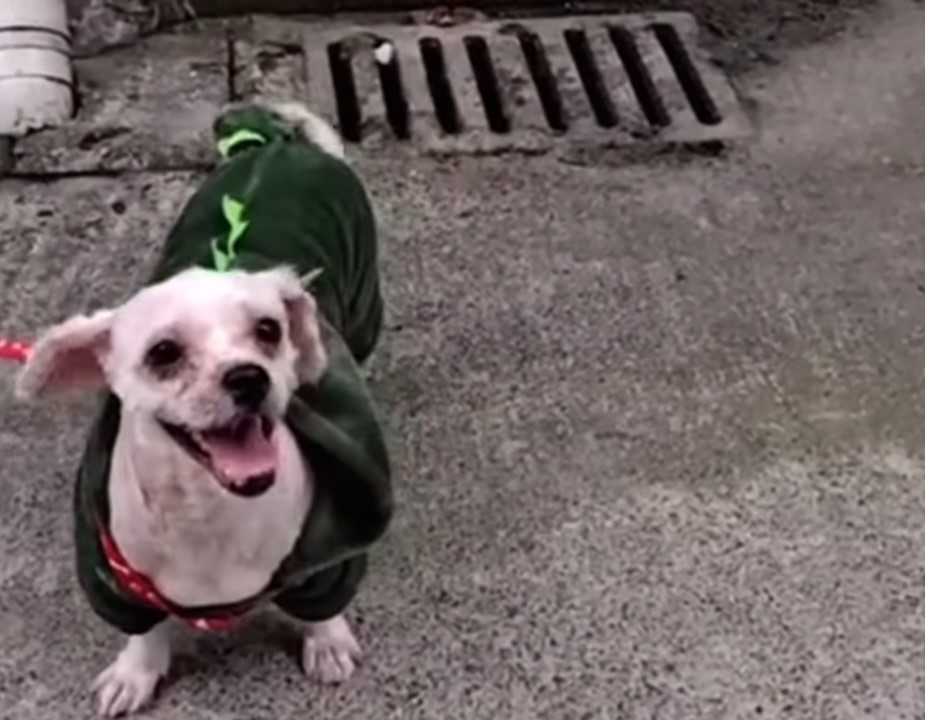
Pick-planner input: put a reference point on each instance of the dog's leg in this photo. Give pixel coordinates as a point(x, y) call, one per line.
point(331, 652)
point(129, 683)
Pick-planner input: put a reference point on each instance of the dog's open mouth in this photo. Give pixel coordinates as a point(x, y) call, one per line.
point(241, 455)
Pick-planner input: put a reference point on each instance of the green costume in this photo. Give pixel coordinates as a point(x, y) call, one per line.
point(277, 199)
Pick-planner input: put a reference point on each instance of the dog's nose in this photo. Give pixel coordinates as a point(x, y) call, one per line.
point(248, 385)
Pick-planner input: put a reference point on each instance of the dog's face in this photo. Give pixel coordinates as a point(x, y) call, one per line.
point(211, 359)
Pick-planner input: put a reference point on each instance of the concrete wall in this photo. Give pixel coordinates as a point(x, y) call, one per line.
point(751, 27)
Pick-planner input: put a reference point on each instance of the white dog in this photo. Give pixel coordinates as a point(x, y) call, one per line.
point(237, 458)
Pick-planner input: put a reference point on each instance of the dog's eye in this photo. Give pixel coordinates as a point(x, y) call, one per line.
point(164, 354)
point(268, 331)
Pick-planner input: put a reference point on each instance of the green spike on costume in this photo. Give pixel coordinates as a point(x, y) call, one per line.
point(226, 145)
point(233, 211)
point(277, 199)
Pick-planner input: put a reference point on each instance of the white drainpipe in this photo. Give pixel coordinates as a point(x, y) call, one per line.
point(36, 81)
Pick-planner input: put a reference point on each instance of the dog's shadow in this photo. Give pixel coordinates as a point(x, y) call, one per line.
point(259, 640)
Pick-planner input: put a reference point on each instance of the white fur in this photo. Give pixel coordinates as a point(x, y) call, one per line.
point(311, 126)
point(199, 544)
point(129, 683)
point(330, 652)
point(384, 53)
point(330, 655)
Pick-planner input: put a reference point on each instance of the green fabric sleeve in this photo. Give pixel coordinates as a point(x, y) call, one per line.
point(108, 602)
point(96, 580)
point(324, 594)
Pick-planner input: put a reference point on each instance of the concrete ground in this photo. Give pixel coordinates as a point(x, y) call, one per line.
point(657, 426)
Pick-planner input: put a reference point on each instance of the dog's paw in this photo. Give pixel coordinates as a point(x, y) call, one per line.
point(122, 689)
point(129, 683)
point(331, 653)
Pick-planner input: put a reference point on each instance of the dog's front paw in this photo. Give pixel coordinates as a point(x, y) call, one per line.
point(124, 689)
point(331, 652)
point(129, 683)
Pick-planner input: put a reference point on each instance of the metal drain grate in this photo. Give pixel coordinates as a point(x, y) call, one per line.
point(495, 85)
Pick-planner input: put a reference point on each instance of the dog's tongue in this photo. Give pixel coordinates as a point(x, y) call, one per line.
point(241, 452)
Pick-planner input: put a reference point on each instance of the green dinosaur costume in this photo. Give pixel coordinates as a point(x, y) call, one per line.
point(276, 199)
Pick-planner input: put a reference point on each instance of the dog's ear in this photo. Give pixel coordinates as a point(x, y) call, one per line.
point(68, 357)
point(304, 326)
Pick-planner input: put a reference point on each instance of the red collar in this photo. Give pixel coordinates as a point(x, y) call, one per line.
point(142, 589)
point(14, 350)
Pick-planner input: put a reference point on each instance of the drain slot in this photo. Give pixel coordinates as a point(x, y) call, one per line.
point(591, 78)
point(345, 90)
point(639, 76)
point(699, 98)
point(487, 83)
point(545, 81)
point(441, 91)
point(393, 93)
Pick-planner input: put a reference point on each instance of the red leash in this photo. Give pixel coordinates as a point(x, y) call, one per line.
point(14, 350)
